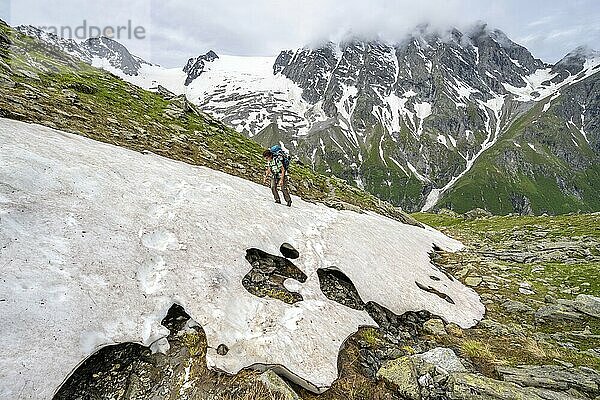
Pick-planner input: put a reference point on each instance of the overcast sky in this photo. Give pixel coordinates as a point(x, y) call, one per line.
point(178, 29)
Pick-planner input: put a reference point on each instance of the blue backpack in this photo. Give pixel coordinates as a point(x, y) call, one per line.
point(278, 152)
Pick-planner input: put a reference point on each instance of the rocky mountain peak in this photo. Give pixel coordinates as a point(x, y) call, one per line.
point(108, 50)
point(69, 46)
point(572, 64)
point(113, 51)
point(195, 66)
point(575, 59)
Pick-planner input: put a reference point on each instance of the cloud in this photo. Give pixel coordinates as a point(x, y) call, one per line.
point(264, 27)
point(180, 29)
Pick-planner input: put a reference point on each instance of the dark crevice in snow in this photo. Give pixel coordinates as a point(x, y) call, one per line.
point(435, 255)
point(175, 319)
point(222, 349)
point(435, 291)
point(268, 274)
point(114, 363)
point(336, 286)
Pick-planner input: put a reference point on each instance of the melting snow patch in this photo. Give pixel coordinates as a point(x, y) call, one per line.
point(422, 111)
point(452, 140)
point(582, 126)
point(549, 103)
point(442, 139)
point(532, 146)
point(381, 150)
point(399, 165)
point(535, 91)
point(78, 247)
point(416, 173)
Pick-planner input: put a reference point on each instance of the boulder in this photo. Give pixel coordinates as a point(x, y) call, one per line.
point(558, 313)
point(288, 251)
point(516, 307)
point(278, 386)
point(448, 212)
point(554, 377)
point(342, 205)
point(401, 374)
point(164, 92)
point(443, 359)
point(467, 386)
point(477, 213)
point(435, 326)
point(473, 281)
point(587, 304)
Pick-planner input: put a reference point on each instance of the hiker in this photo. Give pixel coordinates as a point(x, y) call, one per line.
point(277, 167)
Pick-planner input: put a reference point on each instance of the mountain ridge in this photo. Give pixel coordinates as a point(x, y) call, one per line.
point(405, 121)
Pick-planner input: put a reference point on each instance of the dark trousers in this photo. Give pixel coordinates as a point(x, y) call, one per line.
point(284, 188)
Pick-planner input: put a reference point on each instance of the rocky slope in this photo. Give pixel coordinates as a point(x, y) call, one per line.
point(101, 52)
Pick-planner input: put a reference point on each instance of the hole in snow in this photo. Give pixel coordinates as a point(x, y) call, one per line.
point(132, 367)
point(435, 291)
point(175, 319)
point(434, 278)
point(104, 371)
point(336, 286)
point(268, 274)
point(222, 350)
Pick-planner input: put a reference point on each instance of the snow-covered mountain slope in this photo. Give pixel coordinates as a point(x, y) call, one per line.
point(101, 52)
point(241, 91)
point(99, 241)
point(407, 120)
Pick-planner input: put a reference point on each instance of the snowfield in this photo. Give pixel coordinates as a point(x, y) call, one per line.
point(97, 242)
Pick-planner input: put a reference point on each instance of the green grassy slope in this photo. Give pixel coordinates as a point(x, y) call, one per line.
point(560, 174)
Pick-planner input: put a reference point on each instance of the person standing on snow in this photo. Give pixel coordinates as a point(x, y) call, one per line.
point(277, 163)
